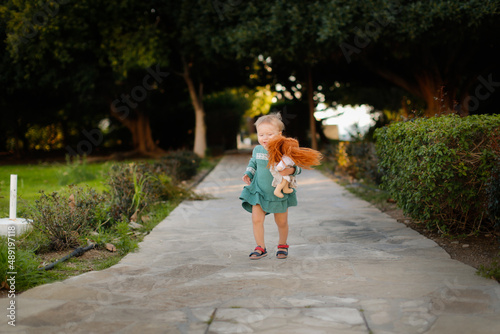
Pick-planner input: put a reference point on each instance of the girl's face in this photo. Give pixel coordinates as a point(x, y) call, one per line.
point(265, 132)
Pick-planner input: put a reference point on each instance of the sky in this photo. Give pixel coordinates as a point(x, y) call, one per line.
point(346, 117)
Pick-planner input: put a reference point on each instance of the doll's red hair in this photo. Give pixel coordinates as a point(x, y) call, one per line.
point(302, 156)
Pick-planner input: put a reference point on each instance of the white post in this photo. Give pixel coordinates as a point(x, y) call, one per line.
point(13, 197)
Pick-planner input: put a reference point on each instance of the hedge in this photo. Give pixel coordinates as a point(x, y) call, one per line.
point(443, 170)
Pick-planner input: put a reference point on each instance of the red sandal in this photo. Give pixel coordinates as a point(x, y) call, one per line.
point(282, 252)
point(255, 255)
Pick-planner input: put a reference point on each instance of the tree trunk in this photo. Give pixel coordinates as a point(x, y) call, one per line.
point(139, 126)
point(439, 97)
point(200, 132)
point(312, 106)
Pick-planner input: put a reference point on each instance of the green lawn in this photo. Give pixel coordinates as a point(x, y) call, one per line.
point(47, 177)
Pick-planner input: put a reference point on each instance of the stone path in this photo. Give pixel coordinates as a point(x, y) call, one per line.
point(352, 269)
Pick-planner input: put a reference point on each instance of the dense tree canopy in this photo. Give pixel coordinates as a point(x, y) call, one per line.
point(150, 65)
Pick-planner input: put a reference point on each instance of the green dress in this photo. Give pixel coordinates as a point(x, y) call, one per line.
point(260, 191)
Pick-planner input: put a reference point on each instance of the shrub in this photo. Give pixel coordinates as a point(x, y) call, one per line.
point(438, 168)
point(360, 160)
point(132, 187)
point(124, 242)
point(330, 152)
point(180, 165)
point(493, 190)
point(64, 216)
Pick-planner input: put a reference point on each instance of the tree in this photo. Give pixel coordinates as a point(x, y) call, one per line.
point(85, 52)
point(437, 50)
point(298, 36)
point(199, 55)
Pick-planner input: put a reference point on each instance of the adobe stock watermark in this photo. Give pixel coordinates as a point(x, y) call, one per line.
point(121, 107)
point(225, 8)
point(482, 92)
point(41, 18)
point(371, 31)
point(139, 93)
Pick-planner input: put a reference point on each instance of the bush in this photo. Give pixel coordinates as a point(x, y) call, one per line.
point(132, 187)
point(64, 216)
point(180, 165)
point(493, 190)
point(359, 160)
point(438, 169)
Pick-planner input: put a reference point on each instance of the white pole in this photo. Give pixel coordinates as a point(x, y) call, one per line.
point(13, 197)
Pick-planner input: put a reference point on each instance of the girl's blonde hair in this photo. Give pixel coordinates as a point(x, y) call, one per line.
point(274, 119)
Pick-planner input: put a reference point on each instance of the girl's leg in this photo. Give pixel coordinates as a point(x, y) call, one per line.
point(258, 216)
point(281, 220)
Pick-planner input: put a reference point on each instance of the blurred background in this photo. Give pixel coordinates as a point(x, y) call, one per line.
point(141, 78)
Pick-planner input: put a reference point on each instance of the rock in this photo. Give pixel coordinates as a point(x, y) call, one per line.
point(111, 247)
point(135, 226)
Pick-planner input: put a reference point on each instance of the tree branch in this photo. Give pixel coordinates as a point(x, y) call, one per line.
point(394, 78)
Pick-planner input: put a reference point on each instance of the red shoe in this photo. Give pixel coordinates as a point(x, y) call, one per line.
point(258, 253)
point(282, 252)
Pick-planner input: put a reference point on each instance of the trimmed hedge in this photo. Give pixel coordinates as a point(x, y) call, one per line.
point(441, 170)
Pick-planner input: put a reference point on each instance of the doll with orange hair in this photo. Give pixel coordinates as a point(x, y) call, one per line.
point(284, 152)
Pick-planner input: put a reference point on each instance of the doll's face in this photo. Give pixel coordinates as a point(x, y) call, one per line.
point(265, 132)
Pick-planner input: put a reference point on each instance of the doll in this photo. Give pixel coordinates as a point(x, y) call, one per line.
point(285, 152)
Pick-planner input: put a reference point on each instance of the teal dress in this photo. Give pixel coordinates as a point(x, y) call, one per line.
point(260, 191)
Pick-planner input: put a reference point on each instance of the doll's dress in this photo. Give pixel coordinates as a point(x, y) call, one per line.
point(285, 162)
point(260, 191)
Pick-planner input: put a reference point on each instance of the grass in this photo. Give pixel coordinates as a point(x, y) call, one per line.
point(31, 179)
point(363, 189)
point(492, 271)
point(78, 266)
point(370, 192)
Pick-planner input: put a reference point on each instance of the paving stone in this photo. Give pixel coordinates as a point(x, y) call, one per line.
point(452, 324)
point(345, 315)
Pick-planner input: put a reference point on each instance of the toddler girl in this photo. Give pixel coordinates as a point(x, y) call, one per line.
point(258, 196)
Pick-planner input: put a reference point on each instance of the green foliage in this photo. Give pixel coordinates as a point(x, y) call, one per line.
point(493, 190)
point(359, 160)
point(491, 271)
point(437, 169)
point(132, 187)
point(64, 216)
point(34, 240)
point(180, 165)
point(124, 243)
point(76, 171)
point(223, 115)
point(25, 264)
point(33, 178)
